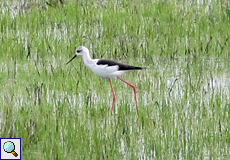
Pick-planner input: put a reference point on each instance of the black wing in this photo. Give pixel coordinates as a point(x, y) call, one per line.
point(120, 65)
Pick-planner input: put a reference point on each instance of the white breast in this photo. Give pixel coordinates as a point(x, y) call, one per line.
point(104, 71)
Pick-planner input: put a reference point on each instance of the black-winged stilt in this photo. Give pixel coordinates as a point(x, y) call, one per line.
point(106, 69)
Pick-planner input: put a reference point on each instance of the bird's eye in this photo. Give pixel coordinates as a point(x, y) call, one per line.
point(78, 51)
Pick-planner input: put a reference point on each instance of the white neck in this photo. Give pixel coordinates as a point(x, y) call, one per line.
point(87, 59)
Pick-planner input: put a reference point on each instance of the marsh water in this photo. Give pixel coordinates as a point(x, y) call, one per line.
point(183, 94)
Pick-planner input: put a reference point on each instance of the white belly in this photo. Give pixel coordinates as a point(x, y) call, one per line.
point(105, 71)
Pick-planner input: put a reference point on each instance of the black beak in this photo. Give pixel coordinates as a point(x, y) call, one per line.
point(71, 59)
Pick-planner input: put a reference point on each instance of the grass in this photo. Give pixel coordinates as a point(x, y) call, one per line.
point(63, 111)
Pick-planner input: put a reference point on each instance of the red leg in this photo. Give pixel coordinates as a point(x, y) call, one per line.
point(114, 97)
point(134, 90)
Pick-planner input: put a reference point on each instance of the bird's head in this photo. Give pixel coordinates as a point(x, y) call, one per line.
point(80, 51)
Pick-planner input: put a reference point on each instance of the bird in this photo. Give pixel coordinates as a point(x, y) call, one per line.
point(107, 69)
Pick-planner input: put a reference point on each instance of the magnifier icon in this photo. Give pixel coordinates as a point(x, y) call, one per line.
point(9, 147)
